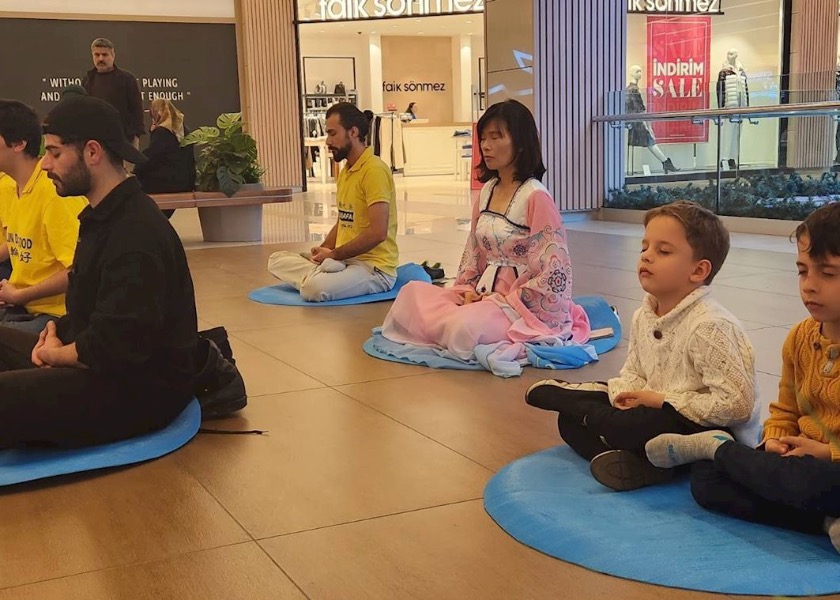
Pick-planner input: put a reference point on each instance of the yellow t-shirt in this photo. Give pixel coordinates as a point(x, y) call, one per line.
point(368, 182)
point(8, 191)
point(42, 229)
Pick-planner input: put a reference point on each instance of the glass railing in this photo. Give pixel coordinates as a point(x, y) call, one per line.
point(777, 158)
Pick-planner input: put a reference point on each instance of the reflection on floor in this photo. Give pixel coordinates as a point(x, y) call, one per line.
point(369, 482)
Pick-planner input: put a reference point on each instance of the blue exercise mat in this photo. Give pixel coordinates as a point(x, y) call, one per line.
point(657, 535)
point(600, 315)
point(285, 295)
point(19, 466)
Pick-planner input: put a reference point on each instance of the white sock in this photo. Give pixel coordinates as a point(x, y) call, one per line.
point(330, 265)
point(671, 449)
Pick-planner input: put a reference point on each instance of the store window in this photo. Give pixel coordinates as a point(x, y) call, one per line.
point(721, 53)
point(690, 55)
point(416, 65)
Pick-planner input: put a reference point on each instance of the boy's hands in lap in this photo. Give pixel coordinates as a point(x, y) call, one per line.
point(626, 400)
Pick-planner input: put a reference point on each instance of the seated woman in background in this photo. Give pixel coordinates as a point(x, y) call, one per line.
point(410, 112)
point(514, 283)
point(170, 167)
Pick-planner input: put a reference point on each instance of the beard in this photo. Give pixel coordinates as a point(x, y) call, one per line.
point(340, 154)
point(76, 182)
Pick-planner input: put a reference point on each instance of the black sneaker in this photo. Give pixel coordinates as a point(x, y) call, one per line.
point(434, 271)
point(219, 386)
point(219, 336)
point(549, 394)
point(622, 470)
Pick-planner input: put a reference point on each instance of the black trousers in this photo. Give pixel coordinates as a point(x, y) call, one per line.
point(64, 407)
point(5, 269)
point(753, 485)
point(591, 425)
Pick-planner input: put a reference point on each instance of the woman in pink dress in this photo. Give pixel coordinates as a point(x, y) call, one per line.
point(514, 283)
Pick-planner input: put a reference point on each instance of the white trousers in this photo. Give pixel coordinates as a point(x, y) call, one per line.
point(331, 280)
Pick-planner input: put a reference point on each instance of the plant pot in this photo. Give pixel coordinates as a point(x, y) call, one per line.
point(233, 223)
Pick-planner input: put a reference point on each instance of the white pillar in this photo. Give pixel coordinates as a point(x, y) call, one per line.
point(462, 78)
point(377, 104)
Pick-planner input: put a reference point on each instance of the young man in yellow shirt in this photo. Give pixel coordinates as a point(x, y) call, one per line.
point(360, 255)
point(40, 228)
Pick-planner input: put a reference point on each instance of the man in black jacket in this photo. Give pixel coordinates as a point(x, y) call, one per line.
point(124, 360)
point(116, 87)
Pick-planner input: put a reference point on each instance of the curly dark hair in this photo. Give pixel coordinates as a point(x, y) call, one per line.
point(823, 230)
point(19, 123)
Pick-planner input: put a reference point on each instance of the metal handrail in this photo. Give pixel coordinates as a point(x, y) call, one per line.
point(781, 110)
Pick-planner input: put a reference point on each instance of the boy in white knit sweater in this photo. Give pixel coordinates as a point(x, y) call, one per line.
point(690, 366)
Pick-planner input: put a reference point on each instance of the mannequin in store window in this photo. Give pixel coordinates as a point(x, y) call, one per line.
point(641, 133)
point(733, 91)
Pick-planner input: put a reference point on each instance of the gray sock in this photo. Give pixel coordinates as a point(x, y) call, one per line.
point(671, 449)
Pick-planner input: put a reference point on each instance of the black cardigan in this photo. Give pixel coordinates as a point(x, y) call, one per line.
point(169, 168)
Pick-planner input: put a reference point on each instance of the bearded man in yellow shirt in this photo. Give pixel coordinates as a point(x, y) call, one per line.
point(40, 228)
point(359, 256)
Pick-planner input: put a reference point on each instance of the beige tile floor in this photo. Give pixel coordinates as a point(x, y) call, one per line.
point(369, 482)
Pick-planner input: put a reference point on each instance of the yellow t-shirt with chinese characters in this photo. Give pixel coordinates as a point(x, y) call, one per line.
point(42, 229)
point(368, 182)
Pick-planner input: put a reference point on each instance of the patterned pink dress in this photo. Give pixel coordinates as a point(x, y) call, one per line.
point(520, 262)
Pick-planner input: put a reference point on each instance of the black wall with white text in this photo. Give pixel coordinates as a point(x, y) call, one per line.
point(192, 64)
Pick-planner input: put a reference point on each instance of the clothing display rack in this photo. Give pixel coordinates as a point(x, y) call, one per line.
point(394, 154)
point(322, 102)
point(315, 123)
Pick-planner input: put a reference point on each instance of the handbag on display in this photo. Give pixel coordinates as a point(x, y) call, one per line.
point(340, 89)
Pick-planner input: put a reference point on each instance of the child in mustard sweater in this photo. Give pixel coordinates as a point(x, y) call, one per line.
point(793, 479)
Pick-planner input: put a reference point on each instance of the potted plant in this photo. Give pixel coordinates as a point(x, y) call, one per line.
point(227, 156)
point(226, 163)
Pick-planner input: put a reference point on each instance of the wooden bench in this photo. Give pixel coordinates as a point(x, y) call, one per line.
point(223, 219)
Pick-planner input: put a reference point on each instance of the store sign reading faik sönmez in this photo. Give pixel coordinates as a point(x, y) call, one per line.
point(675, 7)
point(413, 86)
point(342, 10)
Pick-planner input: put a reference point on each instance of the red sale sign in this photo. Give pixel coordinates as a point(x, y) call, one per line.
point(678, 74)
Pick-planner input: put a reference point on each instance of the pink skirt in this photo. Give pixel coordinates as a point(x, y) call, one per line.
point(427, 315)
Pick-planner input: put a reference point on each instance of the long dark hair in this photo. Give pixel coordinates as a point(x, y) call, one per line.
point(520, 125)
point(350, 117)
point(410, 108)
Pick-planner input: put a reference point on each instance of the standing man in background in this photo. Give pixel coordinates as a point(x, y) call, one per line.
point(116, 87)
